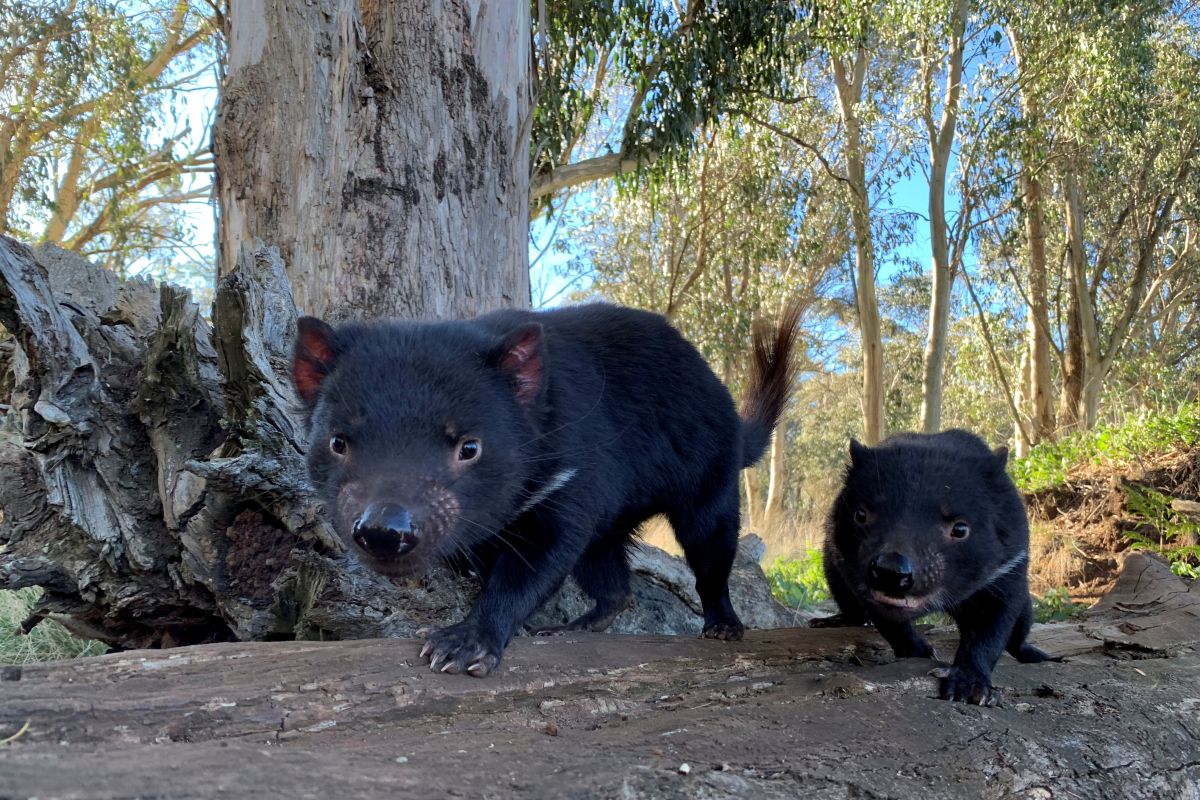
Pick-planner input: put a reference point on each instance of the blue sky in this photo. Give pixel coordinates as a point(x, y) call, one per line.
point(907, 195)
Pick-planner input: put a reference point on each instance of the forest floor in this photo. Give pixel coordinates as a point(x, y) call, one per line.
point(785, 713)
point(1084, 527)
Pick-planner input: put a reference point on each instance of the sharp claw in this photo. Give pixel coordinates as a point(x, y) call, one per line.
point(477, 669)
point(450, 667)
point(426, 650)
point(940, 672)
point(423, 632)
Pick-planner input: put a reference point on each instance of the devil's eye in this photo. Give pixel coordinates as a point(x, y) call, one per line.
point(860, 516)
point(469, 449)
point(337, 445)
point(960, 530)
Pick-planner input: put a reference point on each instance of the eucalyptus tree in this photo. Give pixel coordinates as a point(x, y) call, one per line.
point(87, 89)
point(860, 85)
point(390, 149)
point(1132, 157)
point(938, 38)
point(749, 222)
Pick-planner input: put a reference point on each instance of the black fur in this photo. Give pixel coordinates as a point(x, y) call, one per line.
point(892, 553)
point(608, 404)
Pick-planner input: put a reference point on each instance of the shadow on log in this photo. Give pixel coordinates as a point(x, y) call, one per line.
point(154, 482)
point(784, 714)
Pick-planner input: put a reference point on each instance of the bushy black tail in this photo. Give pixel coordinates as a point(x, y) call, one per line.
point(772, 372)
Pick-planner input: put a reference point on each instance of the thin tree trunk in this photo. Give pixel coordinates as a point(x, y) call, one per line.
point(775, 470)
point(1041, 410)
point(848, 80)
point(383, 147)
point(1022, 438)
point(1039, 387)
point(941, 139)
point(751, 485)
point(1083, 345)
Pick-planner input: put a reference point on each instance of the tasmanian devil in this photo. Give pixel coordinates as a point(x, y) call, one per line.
point(532, 445)
point(931, 522)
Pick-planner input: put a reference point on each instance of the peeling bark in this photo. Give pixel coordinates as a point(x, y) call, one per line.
point(383, 146)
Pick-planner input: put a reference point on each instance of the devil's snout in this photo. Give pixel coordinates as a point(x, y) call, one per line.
point(385, 531)
point(891, 573)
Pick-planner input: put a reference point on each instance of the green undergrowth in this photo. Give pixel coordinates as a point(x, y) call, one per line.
point(49, 641)
point(1171, 534)
point(1048, 463)
point(1055, 605)
point(800, 583)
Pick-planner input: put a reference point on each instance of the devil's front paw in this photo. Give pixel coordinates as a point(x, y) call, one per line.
point(729, 630)
point(966, 685)
point(461, 648)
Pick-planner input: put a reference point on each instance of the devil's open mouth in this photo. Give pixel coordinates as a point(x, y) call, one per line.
point(910, 604)
point(399, 567)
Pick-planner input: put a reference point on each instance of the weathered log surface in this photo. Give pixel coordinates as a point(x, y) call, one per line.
point(152, 477)
point(784, 714)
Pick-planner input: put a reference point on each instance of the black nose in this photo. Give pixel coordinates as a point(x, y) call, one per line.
point(891, 573)
point(385, 531)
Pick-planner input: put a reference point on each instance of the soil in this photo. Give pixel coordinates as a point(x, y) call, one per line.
point(1079, 529)
point(785, 713)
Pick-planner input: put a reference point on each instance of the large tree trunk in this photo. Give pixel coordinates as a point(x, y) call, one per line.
point(941, 140)
point(383, 147)
point(849, 76)
point(785, 714)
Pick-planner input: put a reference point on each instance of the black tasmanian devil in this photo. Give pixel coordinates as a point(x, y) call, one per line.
point(932, 522)
point(533, 444)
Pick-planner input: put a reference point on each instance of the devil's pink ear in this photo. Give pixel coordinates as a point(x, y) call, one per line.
point(314, 357)
point(520, 354)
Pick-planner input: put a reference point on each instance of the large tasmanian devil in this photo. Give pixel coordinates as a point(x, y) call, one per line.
point(532, 445)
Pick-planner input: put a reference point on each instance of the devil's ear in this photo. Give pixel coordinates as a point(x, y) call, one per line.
point(858, 452)
point(314, 357)
point(1000, 458)
point(520, 355)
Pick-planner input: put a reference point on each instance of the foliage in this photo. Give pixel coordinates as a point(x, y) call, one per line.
point(798, 583)
point(644, 78)
point(1165, 531)
point(1055, 606)
point(95, 150)
point(1139, 435)
point(49, 641)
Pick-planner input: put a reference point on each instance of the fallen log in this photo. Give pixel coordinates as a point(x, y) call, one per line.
point(786, 713)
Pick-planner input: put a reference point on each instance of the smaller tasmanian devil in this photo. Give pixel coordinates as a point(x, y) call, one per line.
point(533, 445)
point(932, 522)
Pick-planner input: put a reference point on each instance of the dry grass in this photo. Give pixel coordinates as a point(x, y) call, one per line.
point(789, 537)
point(49, 641)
